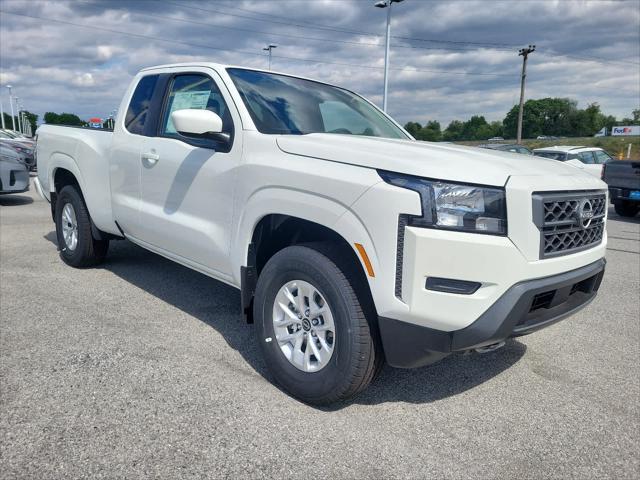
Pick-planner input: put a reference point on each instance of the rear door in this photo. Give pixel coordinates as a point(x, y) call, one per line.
point(187, 185)
point(124, 159)
point(587, 162)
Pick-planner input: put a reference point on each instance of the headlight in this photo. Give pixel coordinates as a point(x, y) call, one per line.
point(453, 206)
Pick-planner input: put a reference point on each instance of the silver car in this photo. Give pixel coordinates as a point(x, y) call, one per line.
point(14, 172)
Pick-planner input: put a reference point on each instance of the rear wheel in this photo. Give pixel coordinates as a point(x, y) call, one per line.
point(626, 209)
point(77, 246)
point(312, 327)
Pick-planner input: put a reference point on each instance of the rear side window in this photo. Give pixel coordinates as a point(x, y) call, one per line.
point(139, 105)
point(602, 157)
point(586, 157)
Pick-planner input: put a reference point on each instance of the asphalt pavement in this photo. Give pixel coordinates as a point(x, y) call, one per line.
point(142, 368)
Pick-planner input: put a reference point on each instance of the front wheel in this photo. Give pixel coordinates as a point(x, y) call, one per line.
point(77, 246)
point(626, 209)
point(312, 327)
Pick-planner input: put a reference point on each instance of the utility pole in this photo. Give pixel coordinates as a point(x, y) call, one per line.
point(386, 4)
point(268, 48)
point(524, 52)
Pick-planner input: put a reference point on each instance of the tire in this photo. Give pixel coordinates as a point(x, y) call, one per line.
point(87, 251)
point(357, 353)
point(626, 209)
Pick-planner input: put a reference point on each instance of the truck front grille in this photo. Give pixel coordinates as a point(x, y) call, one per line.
point(569, 221)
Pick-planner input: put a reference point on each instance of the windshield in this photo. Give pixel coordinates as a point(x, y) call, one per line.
point(279, 104)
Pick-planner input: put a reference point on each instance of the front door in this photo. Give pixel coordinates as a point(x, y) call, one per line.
point(187, 185)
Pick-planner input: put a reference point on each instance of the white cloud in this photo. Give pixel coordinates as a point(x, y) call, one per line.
point(85, 68)
point(84, 80)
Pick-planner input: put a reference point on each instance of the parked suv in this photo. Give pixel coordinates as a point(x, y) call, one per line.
point(352, 244)
point(14, 173)
point(589, 159)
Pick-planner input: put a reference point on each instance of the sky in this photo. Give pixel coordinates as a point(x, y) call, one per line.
point(449, 59)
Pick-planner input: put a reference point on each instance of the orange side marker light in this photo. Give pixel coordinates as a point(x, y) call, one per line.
point(365, 259)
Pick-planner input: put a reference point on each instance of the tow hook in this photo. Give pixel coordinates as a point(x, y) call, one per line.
point(490, 348)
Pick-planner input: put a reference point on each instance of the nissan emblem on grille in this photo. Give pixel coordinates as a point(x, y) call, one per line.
point(569, 221)
point(584, 213)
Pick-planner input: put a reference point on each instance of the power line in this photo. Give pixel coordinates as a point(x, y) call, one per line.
point(335, 29)
point(305, 24)
point(302, 37)
point(587, 58)
point(244, 52)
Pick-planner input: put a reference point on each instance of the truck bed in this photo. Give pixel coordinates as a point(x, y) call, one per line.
point(84, 152)
point(623, 174)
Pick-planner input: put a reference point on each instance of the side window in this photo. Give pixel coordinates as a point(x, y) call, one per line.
point(586, 157)
point(195, 91)
point(139, 106)
point(602, 157)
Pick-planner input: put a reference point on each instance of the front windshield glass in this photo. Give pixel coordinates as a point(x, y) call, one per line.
point(279, 104)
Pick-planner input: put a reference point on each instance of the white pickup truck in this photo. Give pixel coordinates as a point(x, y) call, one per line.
point(351, 242)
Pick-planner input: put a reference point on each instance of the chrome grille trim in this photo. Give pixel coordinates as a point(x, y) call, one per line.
point(569, 221)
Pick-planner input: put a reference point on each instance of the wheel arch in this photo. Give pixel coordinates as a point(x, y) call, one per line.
point(63, 171)
point(273, 232)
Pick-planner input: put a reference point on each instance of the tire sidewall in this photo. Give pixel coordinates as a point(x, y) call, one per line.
point(69, 195)
point(276, 274)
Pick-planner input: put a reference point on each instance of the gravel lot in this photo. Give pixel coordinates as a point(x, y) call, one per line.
point(144, 369)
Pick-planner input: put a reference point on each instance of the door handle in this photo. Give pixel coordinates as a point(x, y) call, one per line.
point(150, 158)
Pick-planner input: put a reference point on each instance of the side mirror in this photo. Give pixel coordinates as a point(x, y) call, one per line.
point(199, 124)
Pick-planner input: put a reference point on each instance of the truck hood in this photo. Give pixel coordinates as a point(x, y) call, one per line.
point(442, 161)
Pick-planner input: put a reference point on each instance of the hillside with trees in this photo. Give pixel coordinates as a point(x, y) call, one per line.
point(558, 117)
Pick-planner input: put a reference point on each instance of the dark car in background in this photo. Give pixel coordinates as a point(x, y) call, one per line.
point(623, 179)
point(507, 147)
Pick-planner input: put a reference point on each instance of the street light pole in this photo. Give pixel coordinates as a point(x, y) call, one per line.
point(524, 52)
point(268, 48)
point(386, 4)
point(2, 114)
point(18, 115)
point(13, 120)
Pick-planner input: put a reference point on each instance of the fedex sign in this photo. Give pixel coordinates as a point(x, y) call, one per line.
point(625, 131)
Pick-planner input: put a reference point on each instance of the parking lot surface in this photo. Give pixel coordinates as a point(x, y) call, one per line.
point(144, 369)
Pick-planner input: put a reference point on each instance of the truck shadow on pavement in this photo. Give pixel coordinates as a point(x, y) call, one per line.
point(218, 305)
point(13, 200)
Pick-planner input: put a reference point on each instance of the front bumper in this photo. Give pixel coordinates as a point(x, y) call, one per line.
point(15, 180)
point(524, 308)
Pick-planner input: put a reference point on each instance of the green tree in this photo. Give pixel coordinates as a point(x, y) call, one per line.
point(414, 129)
point(453, 131)
point(32, 118)
point(636, 115)
point(70, 119)
point(430, 132)
point(545, 116)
